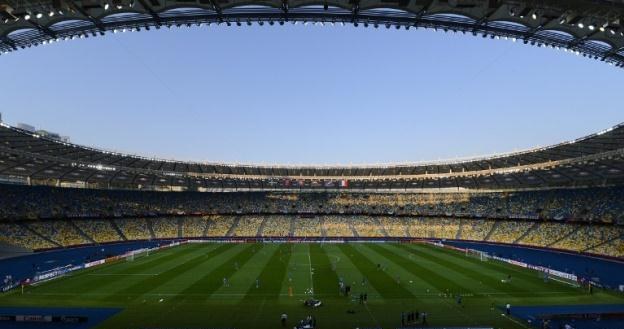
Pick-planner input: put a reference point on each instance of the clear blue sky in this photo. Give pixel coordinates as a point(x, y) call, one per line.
point(319, 95)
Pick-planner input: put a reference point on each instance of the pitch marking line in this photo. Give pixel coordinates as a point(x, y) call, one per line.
point(96, 294)
point(123, 274)
point(311, 273)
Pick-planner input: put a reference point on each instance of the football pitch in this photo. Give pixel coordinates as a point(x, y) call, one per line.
point(209, 285)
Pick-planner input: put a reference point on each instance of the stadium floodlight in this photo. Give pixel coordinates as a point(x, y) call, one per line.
point(591, 27)
point(106, 6)
point(51, 13)
point(580, 25)
point(525, 12)
point(534, 15)
point(38, 15)
point(27, 17)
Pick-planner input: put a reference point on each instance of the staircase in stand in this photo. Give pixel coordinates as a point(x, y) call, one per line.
point(406, 226)
point(81, 232)
point(531, 229)
point(180, 229)
point(261, 227)
point(207, 225)
point(578, 227)
point(487, 237)
point(27, 228)
point(323, 230)
point(459, 231)
point(230, 232)
point(352, 227)
point(291, 229)
point(150, 228)
point(118, 230)
point(382, 228)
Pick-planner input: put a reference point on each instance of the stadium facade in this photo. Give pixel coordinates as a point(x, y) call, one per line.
point(565, 197)
point(555, 211)
point(592, 161)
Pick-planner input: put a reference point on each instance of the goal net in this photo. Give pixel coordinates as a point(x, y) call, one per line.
point(481, 255)
point(131, 256)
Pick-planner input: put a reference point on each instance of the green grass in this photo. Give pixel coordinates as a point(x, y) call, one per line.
point(183, 287)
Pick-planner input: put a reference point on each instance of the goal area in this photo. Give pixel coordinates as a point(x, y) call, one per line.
point(480, 255)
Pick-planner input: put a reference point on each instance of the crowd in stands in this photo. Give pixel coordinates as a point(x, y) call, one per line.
point(580, 220)
point(585, 237)
point(219, 226)
point(100, 230)
point(442, 228)
point(194, 227)
point(19, 235)
point(310, 227)
point(164, 227)
point(547, 233)
point(337, 226)
point(134, 229)
point(59, 231)
point(614, 248)
point(41, 202)
point(475, 229)
point(578, 237)
point(368, 226)
point(276, 226)
point(394, 226)
point(510, 231)
point(248, 226)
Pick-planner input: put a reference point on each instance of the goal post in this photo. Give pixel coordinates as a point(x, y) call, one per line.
point(480, 255)
point(131, 256)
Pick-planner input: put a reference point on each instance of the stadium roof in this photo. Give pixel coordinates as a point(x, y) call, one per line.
point(592, 28)
point(596, 159)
